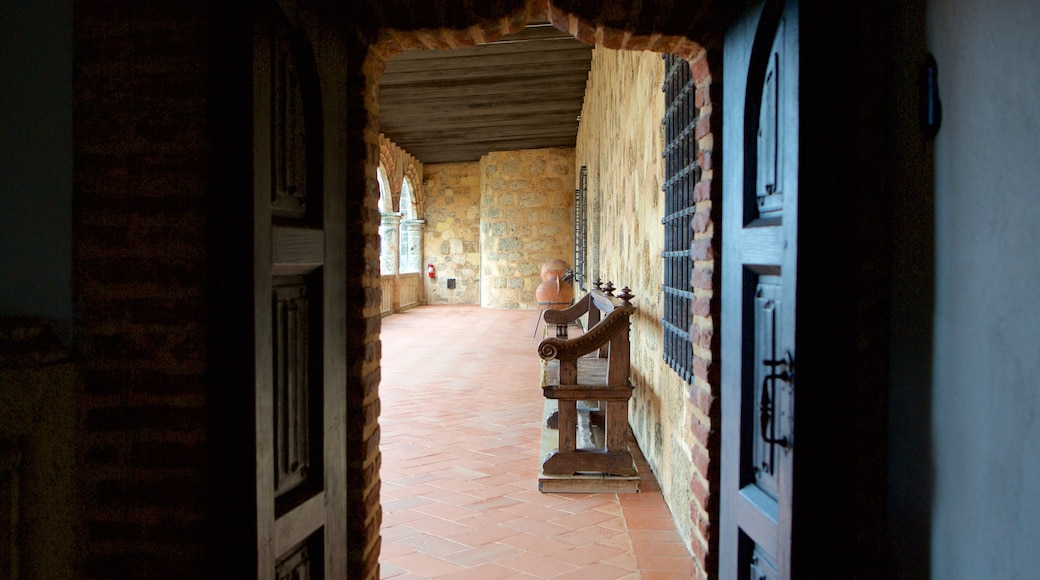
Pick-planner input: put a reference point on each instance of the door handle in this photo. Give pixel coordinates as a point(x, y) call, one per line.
point(782, 369)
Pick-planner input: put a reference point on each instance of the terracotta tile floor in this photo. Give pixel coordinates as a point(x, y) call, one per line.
point(460, 435)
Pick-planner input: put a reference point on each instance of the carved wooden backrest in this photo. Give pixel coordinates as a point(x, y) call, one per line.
point(608, 333)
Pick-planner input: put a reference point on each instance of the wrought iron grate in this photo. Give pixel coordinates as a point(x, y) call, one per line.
point(682, 172)
point(581, 226)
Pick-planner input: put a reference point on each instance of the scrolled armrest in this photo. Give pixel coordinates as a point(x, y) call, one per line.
point(593, 339)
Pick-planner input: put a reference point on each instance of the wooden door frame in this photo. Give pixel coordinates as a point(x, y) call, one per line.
point(827, 341)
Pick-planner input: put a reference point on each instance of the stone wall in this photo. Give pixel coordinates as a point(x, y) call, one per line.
point(451, 240)
point(620, 141)
point(526, 209)
point(491, 225)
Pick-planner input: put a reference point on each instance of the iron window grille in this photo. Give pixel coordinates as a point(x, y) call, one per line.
point(682, 172)
point(581, 226)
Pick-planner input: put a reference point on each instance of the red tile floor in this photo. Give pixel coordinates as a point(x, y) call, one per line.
point(460, 436)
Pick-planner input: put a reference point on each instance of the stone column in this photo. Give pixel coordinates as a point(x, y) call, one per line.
point(389, 243)
point(389, 252)
point(411, 244)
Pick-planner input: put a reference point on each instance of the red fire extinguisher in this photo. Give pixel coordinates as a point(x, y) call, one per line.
point(430, 271)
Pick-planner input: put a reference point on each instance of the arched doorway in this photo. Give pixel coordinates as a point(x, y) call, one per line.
point(705, 504)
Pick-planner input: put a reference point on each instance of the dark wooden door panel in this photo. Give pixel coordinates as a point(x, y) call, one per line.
point(297, 292)
point(758, 293)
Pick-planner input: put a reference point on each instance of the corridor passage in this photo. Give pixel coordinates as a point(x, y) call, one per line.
point(460, 434)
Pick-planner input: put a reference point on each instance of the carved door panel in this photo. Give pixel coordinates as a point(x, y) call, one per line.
point(299, 481)
point(758, 303)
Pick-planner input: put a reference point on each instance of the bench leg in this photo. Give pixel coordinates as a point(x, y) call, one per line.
point(568, 425)
point(616, 426)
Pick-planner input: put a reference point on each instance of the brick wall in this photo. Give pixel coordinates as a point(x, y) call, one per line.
point(142, 165)
point(705, 412)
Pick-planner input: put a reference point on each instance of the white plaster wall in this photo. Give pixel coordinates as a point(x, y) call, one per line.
point(986, 366)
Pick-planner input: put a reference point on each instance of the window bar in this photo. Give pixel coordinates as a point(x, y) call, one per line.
point(681, 176)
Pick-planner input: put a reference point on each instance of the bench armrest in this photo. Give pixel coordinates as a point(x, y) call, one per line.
point(593, 339)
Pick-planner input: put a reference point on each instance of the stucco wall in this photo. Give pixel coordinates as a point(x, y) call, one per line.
point(451, 240)
point(620, 141)
point(526, 208)
point(985, 403)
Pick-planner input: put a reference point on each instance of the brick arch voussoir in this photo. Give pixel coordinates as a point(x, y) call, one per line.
point(389, 164)
point(414, 177)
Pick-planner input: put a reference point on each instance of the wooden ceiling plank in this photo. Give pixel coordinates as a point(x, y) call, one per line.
point(524, 91)
point(514, 61)
point(573, 89)
point(489, 51)
point(494, 116)
point(491, 134)
point(519, 120)
point(544, 66)
point(393, 109)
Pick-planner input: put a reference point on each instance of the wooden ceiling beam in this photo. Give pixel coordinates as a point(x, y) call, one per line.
point(422, 115)
point(469, 138)
point(518, 88)
point(551, 101)
point(523, 91)
point(531, 120)
point(542, 66)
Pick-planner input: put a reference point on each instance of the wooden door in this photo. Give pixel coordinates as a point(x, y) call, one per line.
point(760, 198)
point(300, 475)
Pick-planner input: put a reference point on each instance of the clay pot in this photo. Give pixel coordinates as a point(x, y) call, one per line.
point(554, 268)
point(556, 291)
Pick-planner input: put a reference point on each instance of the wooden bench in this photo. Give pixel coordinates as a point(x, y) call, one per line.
point(588, 377)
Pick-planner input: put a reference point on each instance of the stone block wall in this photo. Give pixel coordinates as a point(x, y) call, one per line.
point(451, 241)
point(527, 213)
point(620, 141)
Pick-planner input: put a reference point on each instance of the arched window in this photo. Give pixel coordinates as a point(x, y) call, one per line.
point(411, 231)
point(388, 226)
point(384, 192)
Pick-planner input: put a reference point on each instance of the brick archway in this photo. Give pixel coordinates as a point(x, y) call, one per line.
point(586, 28)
